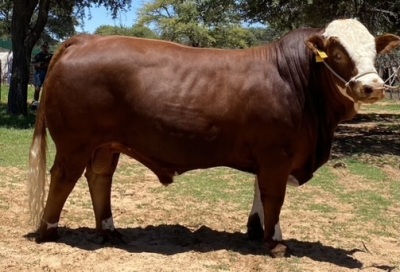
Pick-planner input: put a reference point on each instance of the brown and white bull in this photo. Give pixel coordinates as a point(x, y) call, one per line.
point(270, 110)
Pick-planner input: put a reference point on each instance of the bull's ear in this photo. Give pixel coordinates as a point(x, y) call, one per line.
point(386, 43)
point(315, 43)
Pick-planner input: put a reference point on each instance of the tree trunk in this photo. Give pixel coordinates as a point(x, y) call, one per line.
point(24, 36)
point(18, 93)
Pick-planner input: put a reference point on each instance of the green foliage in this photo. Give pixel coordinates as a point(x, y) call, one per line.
point(134, 31)
point(114, 6)
point(284, 15)
point(199, 23)
point(263, 35)
point(61, 20)
point(5, 19)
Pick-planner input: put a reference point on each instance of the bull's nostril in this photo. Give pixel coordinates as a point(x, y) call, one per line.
point(368, 89)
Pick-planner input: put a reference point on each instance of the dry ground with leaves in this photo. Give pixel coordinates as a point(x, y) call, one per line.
point(342, 220)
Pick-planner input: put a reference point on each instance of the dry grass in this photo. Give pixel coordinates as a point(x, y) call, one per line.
point(166, 231)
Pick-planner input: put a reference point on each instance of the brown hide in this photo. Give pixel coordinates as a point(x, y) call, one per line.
point(176, 108)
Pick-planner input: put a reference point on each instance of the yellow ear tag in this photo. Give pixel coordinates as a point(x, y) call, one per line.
point(321, 56)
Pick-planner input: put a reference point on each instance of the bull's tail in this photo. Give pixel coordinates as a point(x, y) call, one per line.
point(37, 169)
point(37, 157)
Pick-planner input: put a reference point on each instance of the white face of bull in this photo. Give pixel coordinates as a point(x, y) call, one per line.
point(361, 48)
point(351, 52)
point(360, 45)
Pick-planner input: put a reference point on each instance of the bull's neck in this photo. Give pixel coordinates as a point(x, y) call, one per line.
point(338, 107)
point(318, 100)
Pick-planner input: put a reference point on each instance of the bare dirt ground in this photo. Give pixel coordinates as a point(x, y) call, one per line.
point(181, 233)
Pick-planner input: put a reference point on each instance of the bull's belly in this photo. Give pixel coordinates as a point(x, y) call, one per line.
point(182, 155)
point(169, 155)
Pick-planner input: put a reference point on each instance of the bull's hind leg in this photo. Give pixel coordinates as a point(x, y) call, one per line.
point(99, 175)
point(64, 175)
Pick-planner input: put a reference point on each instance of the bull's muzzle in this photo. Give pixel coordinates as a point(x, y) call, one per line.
point(368, 93)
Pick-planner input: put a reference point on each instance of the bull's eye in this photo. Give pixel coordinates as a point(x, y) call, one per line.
point(337, 56)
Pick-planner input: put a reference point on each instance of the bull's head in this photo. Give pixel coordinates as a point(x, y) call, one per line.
point(348, 50)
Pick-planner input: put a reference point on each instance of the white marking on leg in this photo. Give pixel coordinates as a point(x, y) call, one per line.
point(257, 204)
point(50, 225)
point(108, 224)
point(278, 233)
point(258, 207)
point(292, 181)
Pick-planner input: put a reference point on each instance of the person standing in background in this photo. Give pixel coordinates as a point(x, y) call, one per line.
point(9, 66)
point(41, 63)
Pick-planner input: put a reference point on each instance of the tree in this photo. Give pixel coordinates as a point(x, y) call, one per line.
point(199, 23)
point(29, 19)
point(134, 31)
point(5, 18)
point(285, 15)
point(60, 23)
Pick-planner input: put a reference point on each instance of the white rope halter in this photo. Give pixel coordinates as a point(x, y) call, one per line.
point(353, 79)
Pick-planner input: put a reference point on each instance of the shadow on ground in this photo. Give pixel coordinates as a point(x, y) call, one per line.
point(16, 122)
point(371, 134)
point(174, 239)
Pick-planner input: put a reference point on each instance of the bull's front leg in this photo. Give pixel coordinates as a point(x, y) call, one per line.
point(255, 223)
point(272, 179)
point(272, 197)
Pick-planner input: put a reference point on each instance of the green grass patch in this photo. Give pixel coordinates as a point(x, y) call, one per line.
point(369, 200)
point(5, 89)
point(14, 146)
point(365, 170)
point(16, 134)
point(389, 105)
point(325, 179)
point(132, 170)
point(219, 184)
point(15, 122)
point(395, 190)
point(369, 204)
point(11, 121)
point(322, 208)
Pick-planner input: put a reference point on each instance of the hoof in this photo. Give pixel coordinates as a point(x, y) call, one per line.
point(47, 235)
point(255, 231)
point(277, 249)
